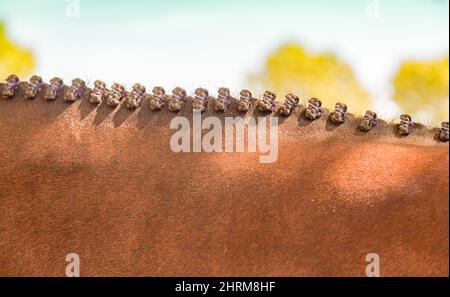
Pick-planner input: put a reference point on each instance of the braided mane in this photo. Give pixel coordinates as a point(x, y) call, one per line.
point(82, 112)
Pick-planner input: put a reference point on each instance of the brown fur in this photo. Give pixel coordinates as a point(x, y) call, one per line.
point(104, 184)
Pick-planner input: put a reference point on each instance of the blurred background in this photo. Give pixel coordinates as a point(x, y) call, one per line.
point(391, 56)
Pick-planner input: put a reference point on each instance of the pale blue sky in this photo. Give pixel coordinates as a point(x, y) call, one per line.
point(212, 43)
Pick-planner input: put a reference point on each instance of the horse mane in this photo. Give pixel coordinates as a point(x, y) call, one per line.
point(82, 113)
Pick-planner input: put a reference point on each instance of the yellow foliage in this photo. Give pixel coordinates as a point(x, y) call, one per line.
point(293, 69)
point(13, 59)
point(422, 88)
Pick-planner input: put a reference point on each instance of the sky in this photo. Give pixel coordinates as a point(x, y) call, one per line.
point(219, 43)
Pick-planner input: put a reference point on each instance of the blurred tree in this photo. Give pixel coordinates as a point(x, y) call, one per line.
point(293, 69)
point(13, 59)
point(421, 87)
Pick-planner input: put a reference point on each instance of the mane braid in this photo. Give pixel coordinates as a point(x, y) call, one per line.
point(351, 125)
